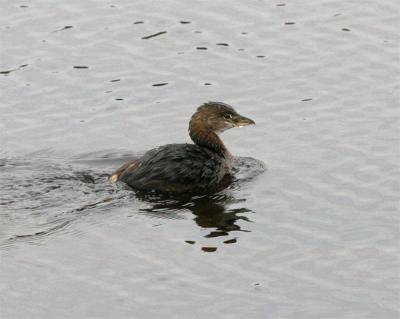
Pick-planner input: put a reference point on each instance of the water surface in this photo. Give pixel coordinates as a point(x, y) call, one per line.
point(310, 227)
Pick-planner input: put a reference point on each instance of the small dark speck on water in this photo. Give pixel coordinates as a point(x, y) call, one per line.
point(281, 4)
point(160, 84)
point(107, 91)
point(223, 44)
point(154, 35)
point(201, 48)
point(81, 67)
point(230, 241)
point(138, 22)
point(260, 56)
point(207, 83)
point(290, 23)
point(240, 49)
point(24, 6)
point(305, 100)
point(64, 28)
point(198, 32)
point(7, 72)
point(191, 242)
point(346, 29)
point(209, 249)
point(119, 99)
point(116, 80)
point(337, 14)
point(244, 33)
point(184, 22)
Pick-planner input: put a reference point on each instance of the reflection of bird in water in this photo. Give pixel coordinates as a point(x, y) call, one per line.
point(213, 214)
point(195, 167)
point(210, 211)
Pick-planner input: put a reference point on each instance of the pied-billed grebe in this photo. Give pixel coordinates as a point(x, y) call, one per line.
point(187, 167)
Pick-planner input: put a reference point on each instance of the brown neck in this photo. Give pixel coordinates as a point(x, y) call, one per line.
point(206, 138)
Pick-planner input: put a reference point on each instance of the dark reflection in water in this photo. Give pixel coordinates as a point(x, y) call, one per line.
point(212, 211)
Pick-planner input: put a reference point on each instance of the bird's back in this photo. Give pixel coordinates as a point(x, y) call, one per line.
point(176, 168)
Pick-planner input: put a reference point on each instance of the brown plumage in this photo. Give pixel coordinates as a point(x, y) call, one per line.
point(187, 167)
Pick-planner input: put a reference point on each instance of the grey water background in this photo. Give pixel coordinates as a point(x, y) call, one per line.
point(84, 86)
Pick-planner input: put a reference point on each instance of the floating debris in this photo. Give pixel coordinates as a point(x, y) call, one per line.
point(80, 67)
point(116, 80)
point(138, 22)
point(290, 23)
point(201, 48)
point(185, 22)
point(160, 84)
point(223, 44)
point(119, 99)
point(207, 83)
point(154, 35)
point(305, 100)
point(260, 56)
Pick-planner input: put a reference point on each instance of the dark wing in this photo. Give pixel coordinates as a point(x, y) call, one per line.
point(175, 167)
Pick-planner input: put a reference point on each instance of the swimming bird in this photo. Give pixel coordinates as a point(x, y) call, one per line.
point(197, 167)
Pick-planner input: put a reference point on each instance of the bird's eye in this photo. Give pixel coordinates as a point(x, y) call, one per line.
point(228, 116)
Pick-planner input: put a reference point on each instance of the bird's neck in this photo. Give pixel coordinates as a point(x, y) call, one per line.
point(207, 138)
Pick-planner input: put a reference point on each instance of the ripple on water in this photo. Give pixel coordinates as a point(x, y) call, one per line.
point(44, 197)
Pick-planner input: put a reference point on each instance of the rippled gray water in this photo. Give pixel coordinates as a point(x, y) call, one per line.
point(310, 226)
